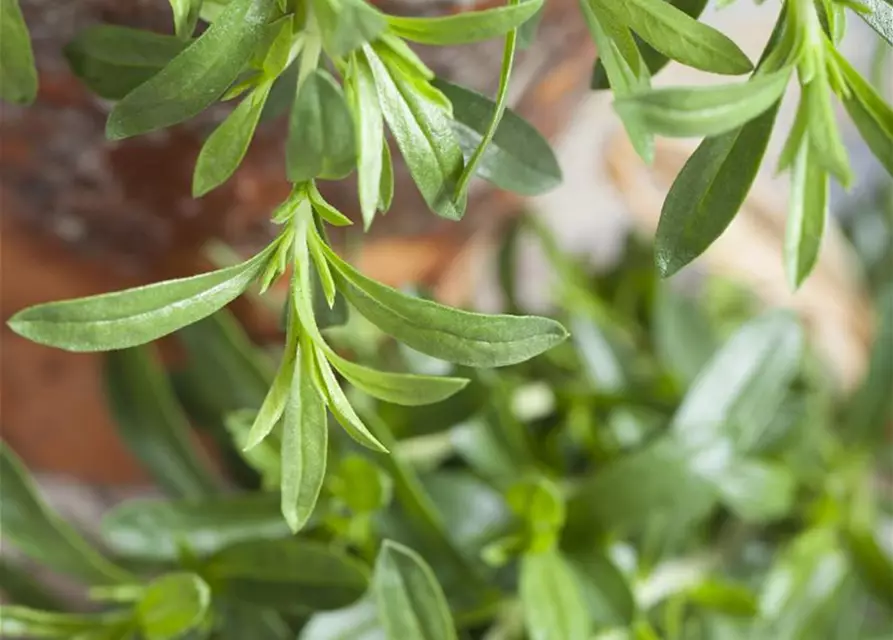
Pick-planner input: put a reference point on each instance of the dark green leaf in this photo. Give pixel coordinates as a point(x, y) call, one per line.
point(465, 27)
point(347, 25)
point(806, 216)
point(423, 133)
point(554, 607)
point(156, 529)
point(305, 434)
point(320, 131)
point(293, 576)
point(871, 409)
point(173, 605)
point(198, 76)
point(22, 622)
point(223, 151)
point(873, 564)
point(113, 61)
point(518, 159)
point(236, 621)
point(18, 74)
point(703, 111)
point(152, 424)
point(135, 316)
point(880, 18)
point(709, 191)
point(679, 36)
point(185, 16)
point(30, 526)
point(411, 604)
point(18, 586)
point(462, 337)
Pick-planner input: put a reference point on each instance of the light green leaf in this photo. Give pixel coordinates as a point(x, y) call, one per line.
point(185, 16)
point(40, 534)
point(356, 622)
point(292, 576)
point(326, 211)
point(471, 339)
point(539, 503)
point(554, 608)
point(18, 74)
point(305, 434)
point(152, 424)
point(198, 76)
point(224, 149)
point(363, 101)
point(277, 397)
point(411, 604)
point(360, 484)
point(703, 111)
point(347, 25)
point(386, 188)
point(465, 27)
point(872, 563)
point(173, 605)
point(756, 491)
point(806, 215)
point(880, 18)
point(156, 529)
point(724, 597)
point(399, 388)
point(23, 622)
point(677, 35)
point(113, 61)
point(423, 134)
point(135, 316)
point(870, 113)
point(518, 158)
point(709, 191)
point(822, 131)
point(320, 131)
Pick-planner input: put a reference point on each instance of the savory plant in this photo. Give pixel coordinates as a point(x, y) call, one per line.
point(660, 475)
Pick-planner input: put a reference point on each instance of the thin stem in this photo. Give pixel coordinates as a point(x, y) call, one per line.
point(508, 59)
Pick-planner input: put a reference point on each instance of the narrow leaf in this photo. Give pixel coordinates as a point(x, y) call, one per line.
point(185, 16)
point(277, 397)
point(411, 604)
point(370, 137)
point(465, 27)
point(173, 605)
point(347, 25)
point(806, 216)
point(554, 608)
point(18, 73)
point(135, 316)
point(24, 622)
point(152, 424)
point(198, 76)
point(870, 113)
point(471, 339)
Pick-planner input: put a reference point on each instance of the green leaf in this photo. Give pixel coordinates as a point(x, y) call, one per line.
point(293, 576)
point(152, 424)
point(23, 622)
point(370, 141)
point(806, 216)
point(554, 608)
point(198, 76)
point(703, 111)
point(185, 16)
point(871, 409)
point(423, 134)
point(42, 535)
point(113, 61)
point(683, 337)
point(725, 597)
point(880, 18)
point(518, 159)
point(399, 388)
point(872, 563)
point(224, 149)
point(471, 339)
point(527, 31)
point(757, 491)
point(347, 25)
point(709, 191)
point(360, 484)
point(173, 605)
point(411, 604)
point(465, 27)
point(305, 434)
point(386, 188)
point(607, 595)
point(320, 131)
point(356, 622)
point(540, 504)
point(822, 131)
point(277, 397)
point(677, 35)
point(156, 529)
point(135, 316)
point(18, 74)
point(870, 113)
point(18, 586)
point(326, 211)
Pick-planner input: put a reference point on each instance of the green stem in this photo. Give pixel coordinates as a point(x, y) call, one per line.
point(508, 59)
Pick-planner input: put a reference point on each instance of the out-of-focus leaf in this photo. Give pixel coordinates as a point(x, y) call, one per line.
point(356, 622)
point(22, 622)
point(683, 337)
point(21, 588)
point(757, 491)
point(156, 529)
point(172, 606)
point(606, 593)
point(237, 621)
point(554, 607)
point(475, 512)
point(18, 74)
point(873, 564)
point(725, 597)
point(361, 484)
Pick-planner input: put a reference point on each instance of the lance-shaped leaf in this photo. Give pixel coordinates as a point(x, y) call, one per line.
point(465, 27)
point(156, 529)
point(135, 316)
point(113, 61)
point(806, 215)
point(292, 576)
point(554, 608)
point(30, 525)
point(518, 158)
point(472, 339)
point(870, 113)
point(198, 76)
point(18, 74)
point(367, 117)
point(24, 622)
point(173, 605)
point(411, 604)
point(152, 424)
